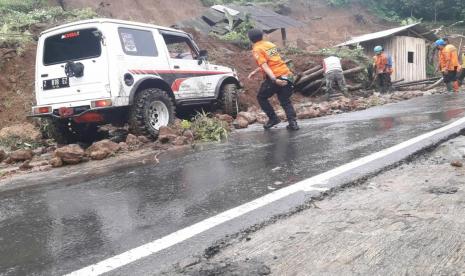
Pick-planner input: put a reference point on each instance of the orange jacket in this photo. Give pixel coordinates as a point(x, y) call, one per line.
point(448, 58)
point(382, 64)
point(267, 52)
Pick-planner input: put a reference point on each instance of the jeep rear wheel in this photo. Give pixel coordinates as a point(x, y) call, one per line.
point(229, 99)
point(152, 109)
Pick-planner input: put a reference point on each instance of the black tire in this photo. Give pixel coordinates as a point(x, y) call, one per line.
point(229, 103)
point(142, 113)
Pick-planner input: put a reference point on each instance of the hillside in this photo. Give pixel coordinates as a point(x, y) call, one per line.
point(324, 26)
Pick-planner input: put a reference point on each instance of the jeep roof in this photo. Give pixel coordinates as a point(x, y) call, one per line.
point(108, 20)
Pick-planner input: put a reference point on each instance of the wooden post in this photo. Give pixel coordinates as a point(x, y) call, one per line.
point(284, 36)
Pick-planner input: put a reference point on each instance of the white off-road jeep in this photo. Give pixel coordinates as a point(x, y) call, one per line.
point(103, 71)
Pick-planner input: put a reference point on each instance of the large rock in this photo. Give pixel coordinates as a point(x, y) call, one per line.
point(132, 141)
point(70, 154)
point(180, 141)
point(262, 118)
point(3, 155)
point(189, 136)
point(225, 118)
point(307, 113)
point(23, 131)
point(21, 155)
point(56, 162)
point(324, 108)
point(241, 122)
point(167, 135)
point(102, 149)
point(26, 165)
point(249, 116)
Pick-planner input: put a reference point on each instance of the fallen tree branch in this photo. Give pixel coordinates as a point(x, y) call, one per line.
point(434, 85)
point(312, 70)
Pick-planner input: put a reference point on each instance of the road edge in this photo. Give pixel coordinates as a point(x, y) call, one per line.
point(284, 201)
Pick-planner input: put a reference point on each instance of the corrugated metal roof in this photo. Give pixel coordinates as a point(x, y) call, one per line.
point(386, 33)
point(266, 19)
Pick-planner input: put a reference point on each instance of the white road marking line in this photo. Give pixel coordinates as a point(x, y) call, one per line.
point(193, 230)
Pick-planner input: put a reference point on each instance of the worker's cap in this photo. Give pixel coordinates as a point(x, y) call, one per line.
point(440, 42)
point(378, 49)
point(255, 35)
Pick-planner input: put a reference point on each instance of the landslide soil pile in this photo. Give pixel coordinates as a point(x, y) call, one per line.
point(323, 27)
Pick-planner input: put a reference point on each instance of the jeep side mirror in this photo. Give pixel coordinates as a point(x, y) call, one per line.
point(203, 56)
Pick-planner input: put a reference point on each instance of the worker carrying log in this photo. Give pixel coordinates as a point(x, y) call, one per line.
point(383, 67)
point(334, 76)
point(448, 64)
point(278, 79)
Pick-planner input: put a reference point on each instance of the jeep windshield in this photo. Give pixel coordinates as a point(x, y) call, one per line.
point(72, 46)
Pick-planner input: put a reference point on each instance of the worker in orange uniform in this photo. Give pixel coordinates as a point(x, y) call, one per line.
point(448, 64)
point(278, 79)
point(461, 75)
point(383, 69)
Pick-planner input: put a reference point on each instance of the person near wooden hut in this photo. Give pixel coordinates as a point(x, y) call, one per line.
point(448, 64)
point(334, 76)
point(383, 67)
point(278, 79)
point(461, 75)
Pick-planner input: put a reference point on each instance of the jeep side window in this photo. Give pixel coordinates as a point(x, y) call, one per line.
point(179, 47)
point(137, 42)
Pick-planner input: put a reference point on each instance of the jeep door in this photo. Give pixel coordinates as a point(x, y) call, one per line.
point(61, 49)
point(189, 75)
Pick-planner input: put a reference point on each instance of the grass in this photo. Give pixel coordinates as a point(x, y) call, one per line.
point(207, 128)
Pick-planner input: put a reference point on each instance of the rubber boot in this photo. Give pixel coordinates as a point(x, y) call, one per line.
point(450, 87)
point(293, 126)
point(456, 86)
point(271, 123)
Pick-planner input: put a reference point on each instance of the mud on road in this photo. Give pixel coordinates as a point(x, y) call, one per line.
point(406, 221)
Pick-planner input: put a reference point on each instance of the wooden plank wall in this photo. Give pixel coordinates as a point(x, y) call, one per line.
point(398, 47)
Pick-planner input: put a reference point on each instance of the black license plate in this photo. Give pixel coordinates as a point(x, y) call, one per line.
point(56, 83)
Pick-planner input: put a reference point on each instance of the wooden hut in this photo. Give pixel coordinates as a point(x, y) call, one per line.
point(408, 46)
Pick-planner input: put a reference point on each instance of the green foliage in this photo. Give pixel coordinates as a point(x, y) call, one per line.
point(356, 54)
point(17, 17)
point(208, 128)
point(239, 34)
point(209, 3)
point(16, 142)
point(398, 10)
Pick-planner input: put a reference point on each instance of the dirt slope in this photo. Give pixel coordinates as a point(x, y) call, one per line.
point(161, 12)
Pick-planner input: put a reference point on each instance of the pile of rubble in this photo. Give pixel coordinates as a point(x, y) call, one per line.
point(52, 155)
point(335, 106)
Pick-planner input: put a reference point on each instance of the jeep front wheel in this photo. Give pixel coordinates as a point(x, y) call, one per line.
point(229, 99)
point(152, 109)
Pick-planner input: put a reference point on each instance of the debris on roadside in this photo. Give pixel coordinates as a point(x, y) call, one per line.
point(227, 21)
point(456, 163)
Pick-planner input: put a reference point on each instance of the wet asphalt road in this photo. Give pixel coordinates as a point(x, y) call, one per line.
point(58, 228)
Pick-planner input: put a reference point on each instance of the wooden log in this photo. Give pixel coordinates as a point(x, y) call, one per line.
point(354, 87)
point(319, 74)
point(418, 81)
point(397, 81)
point(423, 82)
point(434, 85)
point(312, 70)
point(354, 70)
point(310, 77)
point(311, 85)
